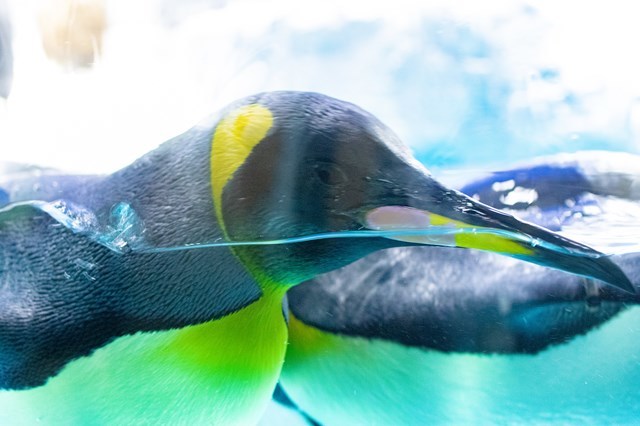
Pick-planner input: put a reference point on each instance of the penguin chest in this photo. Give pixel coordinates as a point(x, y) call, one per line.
point(219, 372)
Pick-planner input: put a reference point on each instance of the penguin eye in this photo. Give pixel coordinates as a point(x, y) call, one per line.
point(329, 173)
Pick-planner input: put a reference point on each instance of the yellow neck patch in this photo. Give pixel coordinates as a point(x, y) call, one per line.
point(235, 137)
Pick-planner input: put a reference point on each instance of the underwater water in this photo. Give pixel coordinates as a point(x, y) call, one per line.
point(473, 91)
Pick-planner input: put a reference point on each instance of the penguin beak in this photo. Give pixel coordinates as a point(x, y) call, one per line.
point(445, 217)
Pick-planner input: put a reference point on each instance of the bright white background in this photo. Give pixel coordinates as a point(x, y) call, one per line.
point(475, 84)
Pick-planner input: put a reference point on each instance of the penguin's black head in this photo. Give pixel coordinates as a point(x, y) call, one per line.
point(293, 164)
point(321, 164)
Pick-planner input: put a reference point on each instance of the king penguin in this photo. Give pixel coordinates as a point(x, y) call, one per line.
point(420, 319)
point(122, 304)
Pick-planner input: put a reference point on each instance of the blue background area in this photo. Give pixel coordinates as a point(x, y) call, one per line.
point(455, 92)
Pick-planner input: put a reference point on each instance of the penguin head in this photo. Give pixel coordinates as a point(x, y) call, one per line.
point(320, 165)
point(294, 164)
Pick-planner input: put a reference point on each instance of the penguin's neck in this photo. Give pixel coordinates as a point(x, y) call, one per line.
point(170, 191)
point(219, 372)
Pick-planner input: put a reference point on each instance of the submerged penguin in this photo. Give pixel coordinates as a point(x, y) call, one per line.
point(121, 302)
point(424, 317)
